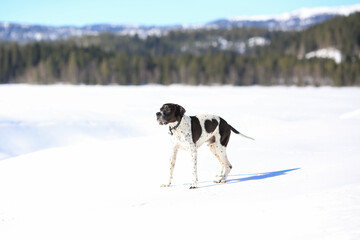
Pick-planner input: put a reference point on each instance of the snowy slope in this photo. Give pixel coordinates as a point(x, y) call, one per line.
point(87, 162)
point(295, 20)
point(303, 13)
point(330, 52)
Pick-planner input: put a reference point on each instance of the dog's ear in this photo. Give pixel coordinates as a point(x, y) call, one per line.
point(180, 111)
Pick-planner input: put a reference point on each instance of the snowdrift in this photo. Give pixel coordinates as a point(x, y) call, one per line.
point(87, 163)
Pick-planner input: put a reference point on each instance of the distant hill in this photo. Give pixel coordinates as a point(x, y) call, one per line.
point(296, 20)
point(342, 33)
point(324, 54)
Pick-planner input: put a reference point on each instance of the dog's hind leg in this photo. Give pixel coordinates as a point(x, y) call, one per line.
point(228, 168)
point(221, 151)
point(222, 164)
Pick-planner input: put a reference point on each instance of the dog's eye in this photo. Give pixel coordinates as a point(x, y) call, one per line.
point(167, 110)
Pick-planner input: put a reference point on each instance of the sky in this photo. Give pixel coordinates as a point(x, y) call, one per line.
point(145, 12)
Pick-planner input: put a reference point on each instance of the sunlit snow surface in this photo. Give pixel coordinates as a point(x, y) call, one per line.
point(87, 163)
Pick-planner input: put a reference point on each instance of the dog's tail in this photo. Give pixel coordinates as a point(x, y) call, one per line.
point(237, 132)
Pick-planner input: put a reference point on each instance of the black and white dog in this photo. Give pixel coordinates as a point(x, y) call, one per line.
point(190, 132)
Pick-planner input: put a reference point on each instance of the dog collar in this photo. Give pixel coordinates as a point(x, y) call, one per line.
point(174, 128)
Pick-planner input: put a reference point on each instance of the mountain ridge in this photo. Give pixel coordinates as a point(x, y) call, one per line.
point(303, 13)
point(295, 20)
point(299, 19)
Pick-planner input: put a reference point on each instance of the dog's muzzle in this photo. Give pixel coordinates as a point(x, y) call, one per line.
point(160, 119)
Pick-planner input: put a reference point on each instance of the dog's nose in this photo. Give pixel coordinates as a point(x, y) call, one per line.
point(158, 114)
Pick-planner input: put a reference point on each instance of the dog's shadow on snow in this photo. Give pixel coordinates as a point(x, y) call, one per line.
point(238, 178)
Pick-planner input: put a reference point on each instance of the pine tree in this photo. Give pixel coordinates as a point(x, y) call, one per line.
point(72, 69)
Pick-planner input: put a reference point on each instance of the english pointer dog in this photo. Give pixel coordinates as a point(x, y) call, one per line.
point(190, 132)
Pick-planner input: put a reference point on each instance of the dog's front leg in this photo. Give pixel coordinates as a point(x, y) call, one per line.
point(172, 165)
point(194, 158)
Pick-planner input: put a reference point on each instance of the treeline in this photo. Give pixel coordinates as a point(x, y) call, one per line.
point(180, 57)
point(342, 33)
point(195, 42)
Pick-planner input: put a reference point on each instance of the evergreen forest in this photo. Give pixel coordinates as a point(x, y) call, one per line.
point(192, 57)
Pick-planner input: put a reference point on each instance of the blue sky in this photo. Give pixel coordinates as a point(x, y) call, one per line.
point(147, 12)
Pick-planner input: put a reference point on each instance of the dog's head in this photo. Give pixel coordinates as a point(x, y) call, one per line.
point(170, 113)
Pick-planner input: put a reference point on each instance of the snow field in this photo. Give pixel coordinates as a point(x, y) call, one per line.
point(87, 162)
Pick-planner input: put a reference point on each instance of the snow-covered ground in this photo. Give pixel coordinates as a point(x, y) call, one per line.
point(87, 163)
point(330, 52)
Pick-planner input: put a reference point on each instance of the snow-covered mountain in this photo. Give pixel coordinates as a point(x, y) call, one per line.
point(296, 20)
point(25, 33)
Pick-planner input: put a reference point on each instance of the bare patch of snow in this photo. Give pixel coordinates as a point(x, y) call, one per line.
point(330, 52)
point(258, 41)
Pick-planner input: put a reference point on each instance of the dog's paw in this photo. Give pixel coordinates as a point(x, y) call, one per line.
point(221, 181)
point(165, 185)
